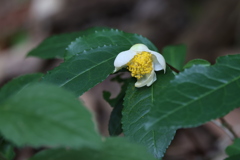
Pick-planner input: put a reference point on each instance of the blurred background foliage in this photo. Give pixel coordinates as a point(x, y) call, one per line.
point(209, 28)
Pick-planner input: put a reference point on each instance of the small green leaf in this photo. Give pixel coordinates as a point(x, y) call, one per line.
point(137, 104)
point(106, 36)
point(106, 97)
point(197, 62)
point(116, 148)
point(115, 125)
point(6, 151)
point(45, 115)
point(54, 46)
point(124, 83)
point(234, 149)
point(198, 94)
point(175, 55)
point(17, 84)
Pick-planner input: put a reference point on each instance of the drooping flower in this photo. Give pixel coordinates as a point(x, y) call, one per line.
point(142, 63)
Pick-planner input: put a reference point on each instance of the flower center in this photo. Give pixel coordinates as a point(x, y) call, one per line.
point(140, 64)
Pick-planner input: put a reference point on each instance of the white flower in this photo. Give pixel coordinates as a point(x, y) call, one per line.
point(142, 63)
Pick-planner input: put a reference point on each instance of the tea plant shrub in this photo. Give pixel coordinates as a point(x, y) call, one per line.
point(42, 110)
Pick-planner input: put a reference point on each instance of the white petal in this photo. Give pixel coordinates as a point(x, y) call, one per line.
point(157, 66)
point(139, 48)
point(153, 80)
point(147, 79)
point(123, 58)
point(159, 61)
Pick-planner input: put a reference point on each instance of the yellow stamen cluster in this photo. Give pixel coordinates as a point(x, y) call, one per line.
point(140, 64)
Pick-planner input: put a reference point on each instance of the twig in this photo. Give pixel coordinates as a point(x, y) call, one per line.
point(174, 69)
point(226, 128)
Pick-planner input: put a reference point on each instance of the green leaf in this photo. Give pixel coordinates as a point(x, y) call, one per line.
point(124, 83)
point(235, 157)
point(106, 36)
point(175, 55)
point(45, 115)
point(82, 72)
point(90, 67)
point(92, 60)
point(198, 94)
point(113, 149)
point(17, 84)
point(234, 149)
point(197, 62)
point(137, 104)
point(115, 125)
point(54, 46)
point(6, 151)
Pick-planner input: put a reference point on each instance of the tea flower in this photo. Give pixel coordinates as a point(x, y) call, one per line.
point(142, 63)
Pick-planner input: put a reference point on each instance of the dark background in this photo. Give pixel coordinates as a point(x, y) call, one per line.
point(209, 28)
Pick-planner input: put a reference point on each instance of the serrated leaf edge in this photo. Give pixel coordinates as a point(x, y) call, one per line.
point(148, 126)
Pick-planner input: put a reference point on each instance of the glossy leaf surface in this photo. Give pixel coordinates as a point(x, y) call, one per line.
point(198, 94)
point(55, 46)
point(82, 72)
point(106, 36)
point(137, 104)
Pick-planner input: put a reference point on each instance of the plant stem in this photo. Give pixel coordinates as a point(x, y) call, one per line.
point(174, 69)
point(226, 127)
